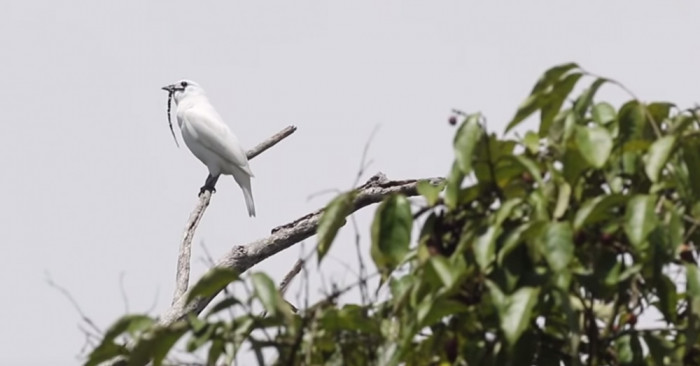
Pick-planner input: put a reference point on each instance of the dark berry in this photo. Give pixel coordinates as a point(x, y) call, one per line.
point(606, 238)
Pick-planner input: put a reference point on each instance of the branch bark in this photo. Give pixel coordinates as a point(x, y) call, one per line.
point(242, 257)
point(182, 277)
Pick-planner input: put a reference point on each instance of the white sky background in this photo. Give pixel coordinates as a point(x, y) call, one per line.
point(93, 185)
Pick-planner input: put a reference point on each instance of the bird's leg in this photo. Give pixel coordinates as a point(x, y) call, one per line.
point(209, 184)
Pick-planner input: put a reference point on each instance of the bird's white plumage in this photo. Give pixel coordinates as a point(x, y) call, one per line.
point(210, 139)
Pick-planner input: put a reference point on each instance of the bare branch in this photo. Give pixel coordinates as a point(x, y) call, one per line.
point(243, 257)
point(290, 276)
point(182, 277)
point(364, 164)
point(77, 308)
point(364, 293)
point(122, 290)
point(270, 142)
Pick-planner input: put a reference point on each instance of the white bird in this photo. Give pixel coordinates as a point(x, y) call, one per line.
point(210, 139)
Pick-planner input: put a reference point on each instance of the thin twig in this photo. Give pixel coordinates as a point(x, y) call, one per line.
point(208, 259)
point(284, 285)
point(654, 124)
point(182, 277)
point(364, 164)
point(122, 291)
point(364, 293)
point(91, 340)
point(77, 308)
point(154, 303)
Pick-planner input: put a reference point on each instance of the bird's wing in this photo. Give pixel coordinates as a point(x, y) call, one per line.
point(214, 134)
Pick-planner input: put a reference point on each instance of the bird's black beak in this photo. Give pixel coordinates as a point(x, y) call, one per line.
point(170, 88)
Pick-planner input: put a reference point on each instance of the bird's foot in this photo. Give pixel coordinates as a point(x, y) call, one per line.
point(206, 188)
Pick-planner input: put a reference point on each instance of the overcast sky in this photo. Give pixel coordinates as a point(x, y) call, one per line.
point(93, 186)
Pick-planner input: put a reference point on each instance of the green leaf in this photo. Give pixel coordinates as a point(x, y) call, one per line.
point(563, 197)
point(429, 191)
point(552, 75)
point(574, 165)
point(668, 298)
point(549, 91)
point(627, 273)
point(400, 287)
point(212, 282)
point(201, 334)
point(121, 326)
point(659, 110)
point(555, 100)
point(603, 113)
point(557, 245)
point(632, 121)
point(659, 348)
point(446, 272)
point(498, 298)
point(640, 220)
point(157, 345)
point(629, 350)
point(485, 244)
point(332, 219)
point(693, 279)
point(453, 186)
point(506, 209)
point(657, 156)
point(595, 144)
point(485, 247)
point(107, 350)
point(224, 304)
point(680, 122)
point(354, 317)
point(517, 313)
point(532, 142)
point(533, 103)
point(430, 311)
point(676, 231)
point(466, 140)
point(691, 156)
point(529, 165)
point(266, 291)
point(584, 101)
point(391, 232)
point(512, 240)
point(597, 209)
point(215, 351)
point(562, 128)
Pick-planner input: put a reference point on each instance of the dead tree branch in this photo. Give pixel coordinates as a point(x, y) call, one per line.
point(182, 277)
point(287, 280)
point(242, 257)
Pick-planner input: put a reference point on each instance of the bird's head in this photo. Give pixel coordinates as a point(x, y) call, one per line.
point(182, 89)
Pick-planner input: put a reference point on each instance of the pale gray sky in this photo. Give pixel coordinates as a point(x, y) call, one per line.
point(94, 186)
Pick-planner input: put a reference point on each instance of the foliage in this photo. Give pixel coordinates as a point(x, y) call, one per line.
point(543, 249)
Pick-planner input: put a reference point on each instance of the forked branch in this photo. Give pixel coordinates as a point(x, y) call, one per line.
point(242, 257)
point(182, 277)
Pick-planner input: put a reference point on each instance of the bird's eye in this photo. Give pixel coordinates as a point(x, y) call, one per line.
point(184, 84)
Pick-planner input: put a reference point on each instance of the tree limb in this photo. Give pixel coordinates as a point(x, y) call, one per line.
point(242, 257)
point(182, 277)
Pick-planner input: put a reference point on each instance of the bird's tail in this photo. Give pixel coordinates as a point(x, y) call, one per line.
point(243, 180)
